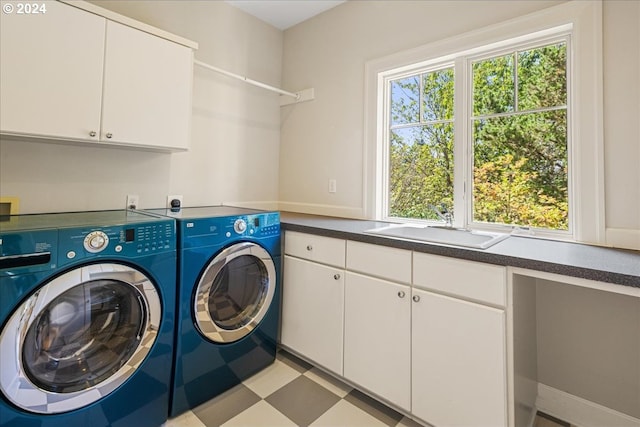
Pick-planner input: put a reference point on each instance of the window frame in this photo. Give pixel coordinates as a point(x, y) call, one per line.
point(563, 35)
point(582, 20)
point(421, 68)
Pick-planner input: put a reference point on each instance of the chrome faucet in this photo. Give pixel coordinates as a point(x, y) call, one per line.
point(444, 215)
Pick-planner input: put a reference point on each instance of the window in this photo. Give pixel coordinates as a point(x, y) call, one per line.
point(516, 110)
point(511, 128)
point(485, 165)
point(519, 138)
point(420, 144)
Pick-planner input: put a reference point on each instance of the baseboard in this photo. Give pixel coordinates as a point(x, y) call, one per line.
point(579, 411)
point(625, 238)
point(319, 209)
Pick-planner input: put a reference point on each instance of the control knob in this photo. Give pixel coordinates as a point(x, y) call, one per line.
point(240, 226)
point(96, 241)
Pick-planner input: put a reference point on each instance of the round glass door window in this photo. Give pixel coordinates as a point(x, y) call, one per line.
point(74, 341)
point(235, 292)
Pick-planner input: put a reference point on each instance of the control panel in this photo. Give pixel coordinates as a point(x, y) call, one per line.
point(215, 231)
point(130, 240)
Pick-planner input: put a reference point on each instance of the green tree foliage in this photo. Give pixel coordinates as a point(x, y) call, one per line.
point(493, 86)
point(533, 140)
point(421, 170)
point(519, 130)
point(421, 149)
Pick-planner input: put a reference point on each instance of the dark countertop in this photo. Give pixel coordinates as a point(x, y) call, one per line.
point(621, 267)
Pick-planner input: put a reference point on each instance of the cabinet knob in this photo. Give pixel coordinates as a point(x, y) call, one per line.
point(109, 135)
point(401, 294)
point(92, 133)
point(416, 298)
point(309, 247)
point(336, 276)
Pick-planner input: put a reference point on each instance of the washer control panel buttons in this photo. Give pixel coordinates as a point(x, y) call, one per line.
point(122, 241)
point(96, 241)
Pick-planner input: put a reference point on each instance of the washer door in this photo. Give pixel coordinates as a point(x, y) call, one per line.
point(78, 338)
point(235, 292)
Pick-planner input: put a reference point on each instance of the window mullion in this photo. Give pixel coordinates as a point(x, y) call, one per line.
point(515, 82)
point(421, 100)
point(461, 183)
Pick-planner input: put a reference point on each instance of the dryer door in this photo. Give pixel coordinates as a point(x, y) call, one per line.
point(78, 338)
point(235, 292)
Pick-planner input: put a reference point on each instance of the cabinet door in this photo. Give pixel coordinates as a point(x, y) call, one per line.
point(147, 90)
point(459, 362)
point(312, 311)
point(377, 337)
point(51, 72)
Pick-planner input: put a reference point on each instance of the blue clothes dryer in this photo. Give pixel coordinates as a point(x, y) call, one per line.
point(87, 315)
point(229, 299)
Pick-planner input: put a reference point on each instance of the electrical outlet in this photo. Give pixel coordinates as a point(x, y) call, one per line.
point(172, 197)
point(133, 201)
point(332, 186)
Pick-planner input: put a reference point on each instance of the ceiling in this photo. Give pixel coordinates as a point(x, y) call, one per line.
point(283, 14)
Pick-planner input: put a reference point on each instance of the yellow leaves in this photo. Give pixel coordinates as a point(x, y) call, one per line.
point(503, 193)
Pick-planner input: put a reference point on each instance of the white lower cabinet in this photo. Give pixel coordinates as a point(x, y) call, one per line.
point(377, 337)
point(426, 333)
point(458, 362)
point(312, 311)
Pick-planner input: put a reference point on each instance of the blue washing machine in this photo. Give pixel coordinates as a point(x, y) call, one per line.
point(87, 317)
point(229, 299)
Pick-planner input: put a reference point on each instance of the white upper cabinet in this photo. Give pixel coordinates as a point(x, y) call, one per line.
point(147, 89)
point(72, 75)
point(51, 73)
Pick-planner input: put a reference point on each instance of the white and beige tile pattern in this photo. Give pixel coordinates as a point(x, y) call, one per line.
point(293, 393)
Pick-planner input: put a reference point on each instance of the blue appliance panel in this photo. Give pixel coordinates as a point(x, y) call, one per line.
point(131, 241)
point(26, 260)
point(219, 231)
point(30, 251)
point(144, 243)
point(205, 369)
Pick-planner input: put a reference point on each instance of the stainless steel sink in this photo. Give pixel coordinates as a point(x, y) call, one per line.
point(438, 234)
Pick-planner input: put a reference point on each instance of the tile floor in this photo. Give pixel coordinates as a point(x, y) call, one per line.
point(293, 393)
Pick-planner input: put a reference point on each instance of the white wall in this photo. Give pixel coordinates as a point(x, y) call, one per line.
point(238, 130)
point(588, 344)
point(622, 121)
point(324, 139)
point(234, 138)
